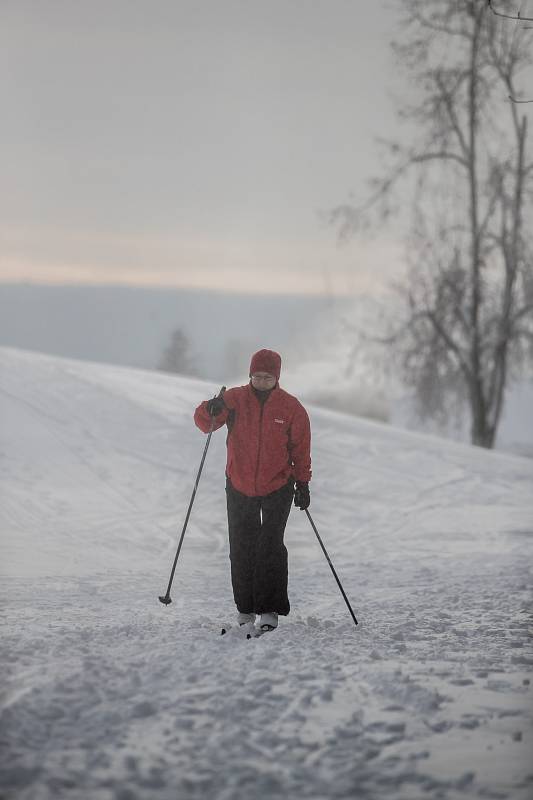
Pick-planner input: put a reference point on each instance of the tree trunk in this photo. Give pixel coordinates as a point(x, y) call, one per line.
point(481, 431)
point(478, 405)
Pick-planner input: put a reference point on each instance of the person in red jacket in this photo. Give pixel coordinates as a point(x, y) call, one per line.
point(268, 464)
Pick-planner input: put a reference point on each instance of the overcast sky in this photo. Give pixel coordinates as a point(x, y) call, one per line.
point(191, 142)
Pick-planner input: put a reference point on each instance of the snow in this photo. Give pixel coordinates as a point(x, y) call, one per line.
point(108, 694)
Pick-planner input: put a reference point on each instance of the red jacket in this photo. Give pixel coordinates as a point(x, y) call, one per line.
point(267, 443)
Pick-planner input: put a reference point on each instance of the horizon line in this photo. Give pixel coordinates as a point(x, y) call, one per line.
point(323, 292)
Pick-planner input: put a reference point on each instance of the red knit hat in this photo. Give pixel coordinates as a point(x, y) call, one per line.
point(266, 361)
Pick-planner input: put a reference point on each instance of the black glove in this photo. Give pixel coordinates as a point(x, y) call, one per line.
point(215, 406)
point(302, 498)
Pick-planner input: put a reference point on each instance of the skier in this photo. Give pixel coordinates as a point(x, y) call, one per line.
point(268, 451)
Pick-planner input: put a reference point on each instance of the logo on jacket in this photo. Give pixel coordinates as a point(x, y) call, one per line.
point(281, 421)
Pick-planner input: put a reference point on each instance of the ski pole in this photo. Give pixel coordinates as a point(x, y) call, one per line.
point(166, 598)
point(339, 584)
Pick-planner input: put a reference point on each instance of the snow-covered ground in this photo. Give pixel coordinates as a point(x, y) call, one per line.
point(107, 694)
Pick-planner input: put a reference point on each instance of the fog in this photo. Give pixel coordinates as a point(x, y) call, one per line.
point(327, 358)
point(132, 326)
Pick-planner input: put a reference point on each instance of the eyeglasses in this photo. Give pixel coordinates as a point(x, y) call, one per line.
point(264, 378)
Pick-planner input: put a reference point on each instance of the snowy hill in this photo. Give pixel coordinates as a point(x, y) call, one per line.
point(107, 694)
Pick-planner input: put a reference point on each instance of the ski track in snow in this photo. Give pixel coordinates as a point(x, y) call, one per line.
point(107, 694)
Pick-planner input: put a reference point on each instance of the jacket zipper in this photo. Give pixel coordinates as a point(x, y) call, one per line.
point(259, 448)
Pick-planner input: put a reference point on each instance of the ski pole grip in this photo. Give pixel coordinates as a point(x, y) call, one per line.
point(223, 389)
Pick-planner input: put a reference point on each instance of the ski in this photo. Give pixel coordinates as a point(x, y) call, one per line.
point(248, 631)
point(265, 629)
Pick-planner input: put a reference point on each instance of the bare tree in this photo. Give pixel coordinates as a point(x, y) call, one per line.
point(177, 356)
point(467, 327)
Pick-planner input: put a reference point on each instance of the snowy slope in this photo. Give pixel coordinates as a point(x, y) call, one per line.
point(107, 694)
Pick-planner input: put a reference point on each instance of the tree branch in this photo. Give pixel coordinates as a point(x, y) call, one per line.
point(506, 74)
point(518, 17)
point(348, 215)
point(453, 116)
point(451, 344)
point(436, 27)
point(522, 313)
point(525, 333)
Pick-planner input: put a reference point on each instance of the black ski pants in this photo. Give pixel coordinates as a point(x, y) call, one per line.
point(259, 563)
